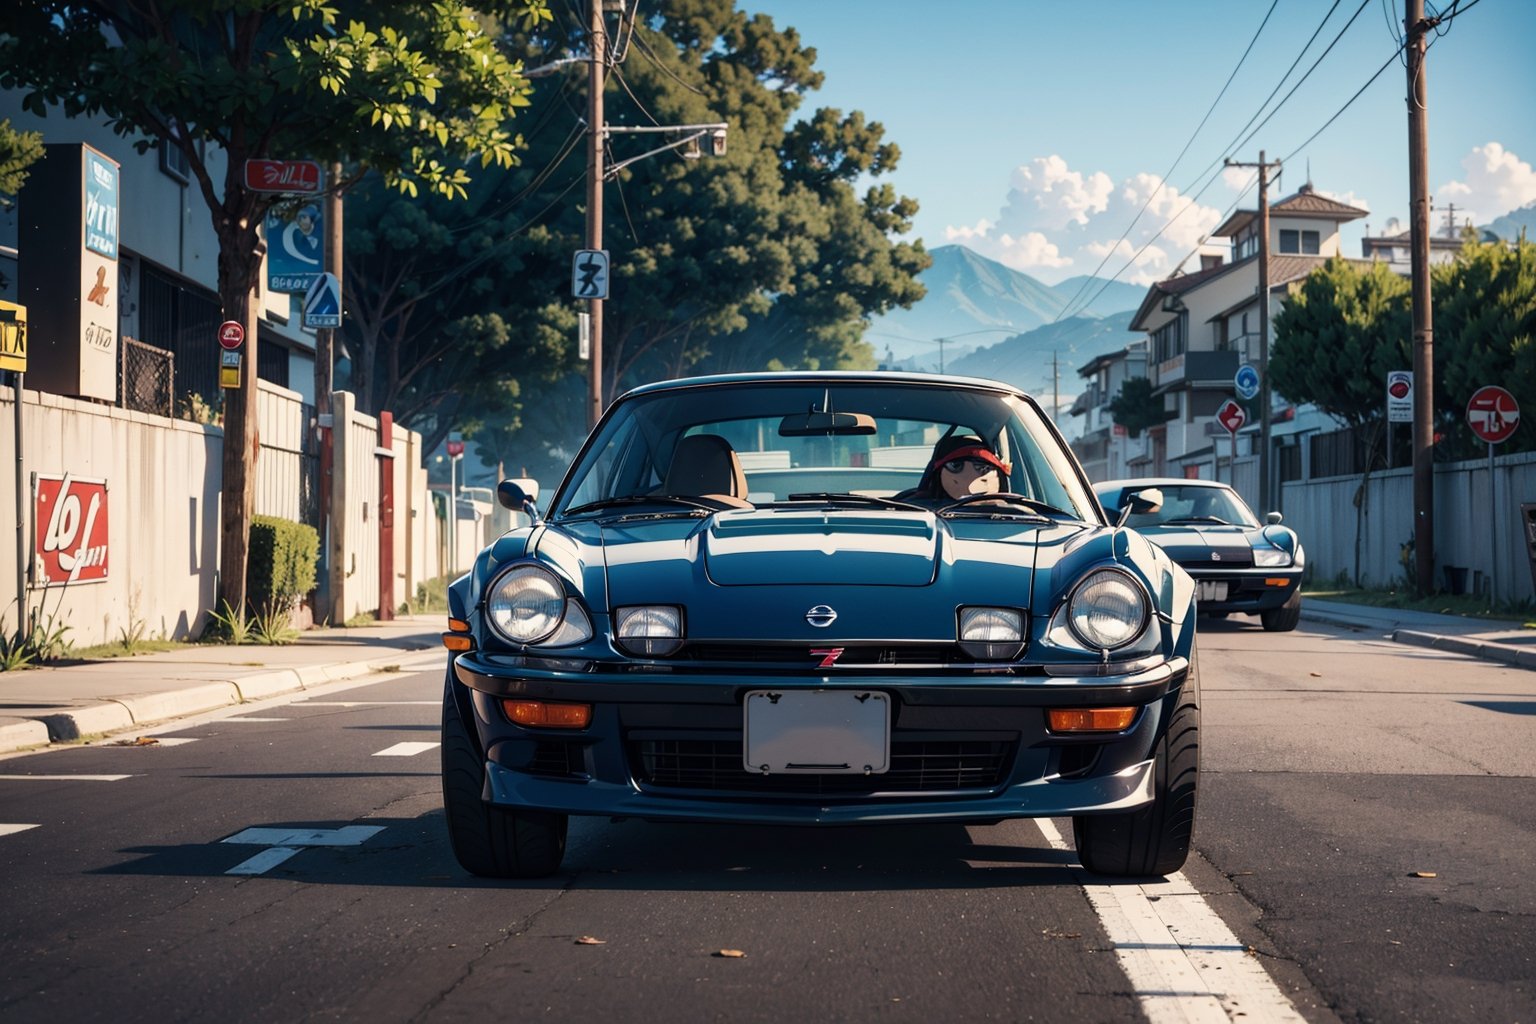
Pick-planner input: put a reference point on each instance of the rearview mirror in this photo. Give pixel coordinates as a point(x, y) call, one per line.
point(811, 424)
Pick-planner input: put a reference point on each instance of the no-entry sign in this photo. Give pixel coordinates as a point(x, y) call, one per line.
point(1493, 414)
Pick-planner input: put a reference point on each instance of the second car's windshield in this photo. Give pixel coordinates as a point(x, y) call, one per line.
point(1195, 505)
point(754, 443)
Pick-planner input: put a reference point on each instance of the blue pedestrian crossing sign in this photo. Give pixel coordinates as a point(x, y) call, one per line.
point(322, 303)
point(589, 274)
point(1246, 382)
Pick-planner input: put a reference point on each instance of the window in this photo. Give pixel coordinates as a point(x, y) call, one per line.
point(1168, 340)
point(173, 162)
point(1246, 246)
point(1305, 242)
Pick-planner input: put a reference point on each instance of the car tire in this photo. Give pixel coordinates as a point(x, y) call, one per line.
point(1284, 618)
point(492, 842)
point(1155, 839)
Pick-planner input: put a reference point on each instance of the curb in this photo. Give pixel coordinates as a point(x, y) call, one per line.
point(115, 715)
point(1459, 645)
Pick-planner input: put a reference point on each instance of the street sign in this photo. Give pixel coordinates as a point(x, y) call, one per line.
point(301, 176)
point(589, 274)
point(1246, 382)
point(455, 449)
point(229, 369)
point(1231, 416)
point(1400, 396)
point(231, 334)
point(13, 337)
point(322, 303)
point(1493, 414)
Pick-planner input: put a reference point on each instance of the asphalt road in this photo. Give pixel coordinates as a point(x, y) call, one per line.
point(1338, 771)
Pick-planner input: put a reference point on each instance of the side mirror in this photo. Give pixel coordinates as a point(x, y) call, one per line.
point(1138, 503)
point(1272, 518)
point(519, 495)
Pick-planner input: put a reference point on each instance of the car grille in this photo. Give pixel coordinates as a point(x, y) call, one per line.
point(799, 655)
point(916, 767)
point(557, 757)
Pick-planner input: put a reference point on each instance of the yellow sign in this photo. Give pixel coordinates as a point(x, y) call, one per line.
point(229, 369)
point(13, 337)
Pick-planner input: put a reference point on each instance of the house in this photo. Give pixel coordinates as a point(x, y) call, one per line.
point(1395, 247)
point(1203, 325)
point(1105, 448)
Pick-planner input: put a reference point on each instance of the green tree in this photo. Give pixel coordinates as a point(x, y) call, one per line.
point(407, 89)
point(1485, 333)
point(18, 151)
point(1136, 408)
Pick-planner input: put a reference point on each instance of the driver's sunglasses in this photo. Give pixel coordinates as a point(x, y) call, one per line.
point(979, 465)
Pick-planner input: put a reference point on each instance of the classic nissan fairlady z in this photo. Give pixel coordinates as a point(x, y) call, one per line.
point(745, 603)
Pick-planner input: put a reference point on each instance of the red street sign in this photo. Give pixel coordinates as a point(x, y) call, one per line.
point(1493, 414)
point(282, 176)
point(231, 334)
point(455, 449)
point(1231, 416)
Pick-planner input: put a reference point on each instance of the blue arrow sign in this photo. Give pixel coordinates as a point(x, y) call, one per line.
point(1246, 381)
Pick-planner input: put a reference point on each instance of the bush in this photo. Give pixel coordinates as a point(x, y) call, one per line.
point(283, 556)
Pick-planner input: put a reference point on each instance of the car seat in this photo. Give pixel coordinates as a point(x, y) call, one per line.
point(706, 466)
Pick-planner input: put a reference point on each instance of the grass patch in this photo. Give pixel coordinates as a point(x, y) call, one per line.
point(1466, 605)
point(117, 649)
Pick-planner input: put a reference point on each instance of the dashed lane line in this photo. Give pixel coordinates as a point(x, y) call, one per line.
point(1183, 961)
point(64, 778)
point(406, 749)
point(283, 843)
point(10, 830)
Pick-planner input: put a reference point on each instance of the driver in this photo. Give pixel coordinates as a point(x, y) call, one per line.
point(963, 465)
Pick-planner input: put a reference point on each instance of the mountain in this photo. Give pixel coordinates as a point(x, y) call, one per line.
point(1045, 361)
point(971, 297)
point(1509, 226)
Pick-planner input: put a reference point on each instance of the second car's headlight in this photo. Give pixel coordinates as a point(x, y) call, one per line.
point(651, 630)
point(991, 634)
point(1108, 609)
point(1271, 557)
point(527, 604)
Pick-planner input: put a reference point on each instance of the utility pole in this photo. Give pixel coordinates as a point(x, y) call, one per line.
point(1264, 391)
point(1423, 321)
point(331, 557)
point(598, 43)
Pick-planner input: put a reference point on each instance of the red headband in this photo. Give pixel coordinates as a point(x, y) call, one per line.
point(974, 451)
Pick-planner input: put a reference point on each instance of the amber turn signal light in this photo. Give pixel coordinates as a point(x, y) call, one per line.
point(1090, 719)
point(1275, 581)
point(458, 638)
point(545, 715)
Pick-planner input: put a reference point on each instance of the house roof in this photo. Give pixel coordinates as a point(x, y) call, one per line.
point(1282, 271)
point(1305, 202)
point(1097, 362)
point(1177, 286)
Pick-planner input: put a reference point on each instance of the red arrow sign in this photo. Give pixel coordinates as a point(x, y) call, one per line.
point(1231, 416)
point(1493, 414)
point(282, 176)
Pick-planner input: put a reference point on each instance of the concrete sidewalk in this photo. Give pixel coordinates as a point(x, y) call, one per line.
point(63, 703)
point(39, 706)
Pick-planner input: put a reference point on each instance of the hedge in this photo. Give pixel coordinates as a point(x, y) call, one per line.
point(281, 567)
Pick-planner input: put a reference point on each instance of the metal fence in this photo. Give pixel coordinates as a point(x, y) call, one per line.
point(146, 378)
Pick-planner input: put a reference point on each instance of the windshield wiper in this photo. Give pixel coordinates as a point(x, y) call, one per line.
point(1217, 520)
point(965, 505)
point(833, 497)
point(641, 499)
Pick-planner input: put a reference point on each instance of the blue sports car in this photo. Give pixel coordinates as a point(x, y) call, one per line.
point(1239, 564)
point(821, 599)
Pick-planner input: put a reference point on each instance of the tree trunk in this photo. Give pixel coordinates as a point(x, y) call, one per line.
point(239, 263)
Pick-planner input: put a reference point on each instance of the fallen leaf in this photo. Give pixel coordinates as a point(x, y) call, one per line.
point(1421, 874)
point(142, 741)
point(733, 953)
point(1315, 675)
point(587, 940)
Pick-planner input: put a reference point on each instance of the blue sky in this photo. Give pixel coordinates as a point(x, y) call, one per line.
point(1034, 131)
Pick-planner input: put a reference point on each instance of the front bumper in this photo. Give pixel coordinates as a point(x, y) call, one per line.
point(964, 748)
point(1248, 589)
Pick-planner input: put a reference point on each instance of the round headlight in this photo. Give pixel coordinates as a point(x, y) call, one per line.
point(526, 604)
point(1108, 609)
point(649, 630)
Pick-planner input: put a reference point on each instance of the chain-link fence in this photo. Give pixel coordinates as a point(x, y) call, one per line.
point(147, 378)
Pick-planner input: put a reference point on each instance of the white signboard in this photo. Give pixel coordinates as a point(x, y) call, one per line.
point(1400, 396)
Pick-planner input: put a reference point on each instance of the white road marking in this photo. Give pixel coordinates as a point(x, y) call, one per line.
point(366, 703)
point(64, 778)
point(10, 830)
point(1183, 961)
point(285, 842)
point(406, 749)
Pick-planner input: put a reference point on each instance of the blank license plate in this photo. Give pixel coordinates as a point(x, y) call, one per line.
point(824, 732)
point(1211, 590)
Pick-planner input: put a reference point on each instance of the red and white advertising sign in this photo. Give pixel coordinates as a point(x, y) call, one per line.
point(231, 334)
point(71, 518)
point(282, 176)
point(1231, 416)
point(1493, 414)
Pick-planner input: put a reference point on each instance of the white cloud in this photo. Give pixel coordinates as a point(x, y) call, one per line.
point(1347, 198)
point(1497, 181)
point(1058, 194)
point(1031, 250)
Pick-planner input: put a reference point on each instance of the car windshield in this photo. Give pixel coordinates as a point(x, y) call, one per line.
point(1190, 505)
point(855, 442)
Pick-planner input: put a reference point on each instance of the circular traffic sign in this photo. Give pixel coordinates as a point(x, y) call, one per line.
point(1246, 382)
point(1399, 388)
point(231, 334)
point(1493, 414)
point(455, 449)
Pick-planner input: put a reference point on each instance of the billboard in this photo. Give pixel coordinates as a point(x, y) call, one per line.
point(71, 533)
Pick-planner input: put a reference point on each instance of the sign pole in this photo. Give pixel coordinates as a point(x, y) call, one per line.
point(17, 377)
point(1493, 534)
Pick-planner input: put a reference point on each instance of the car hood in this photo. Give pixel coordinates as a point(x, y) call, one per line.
point(757, 572)
point(1189, 544)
